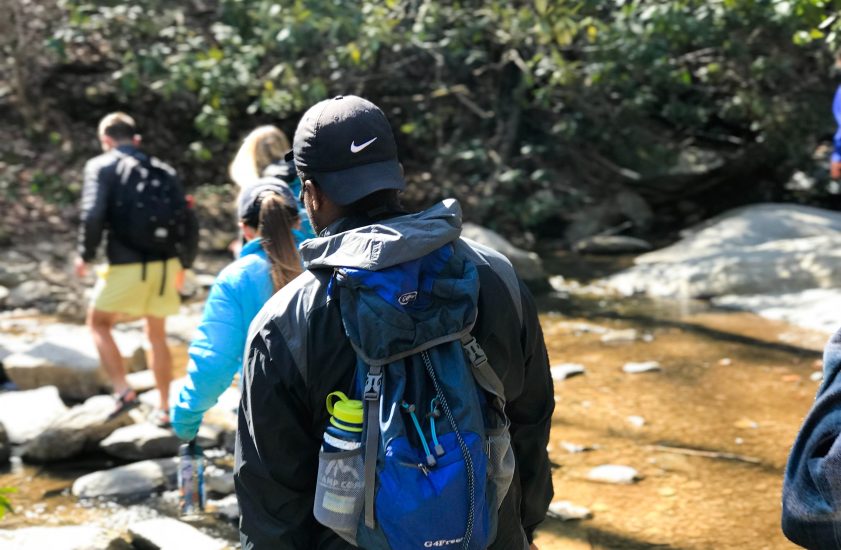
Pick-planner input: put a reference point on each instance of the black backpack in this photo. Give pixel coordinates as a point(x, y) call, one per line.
point(150, 212)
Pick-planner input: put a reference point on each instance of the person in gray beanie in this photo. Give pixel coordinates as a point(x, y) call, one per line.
point(270, 225)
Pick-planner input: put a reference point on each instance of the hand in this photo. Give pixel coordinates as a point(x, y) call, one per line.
point(835, 170)
point(80, 267)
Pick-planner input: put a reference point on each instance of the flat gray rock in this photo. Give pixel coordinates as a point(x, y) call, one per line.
point(227, 507)
point(218, 480)
point(758, 249)
point(62, 355)
point(141, 381)
point(644, 366)
point(527, 264)
point(141, 441)
point(171, 534)
point(129, 481)
point(26, 414)
point(625, 336)
point(566, 370)
point(78, 537)
point(80, 428)
point(29, 293)
point(614, 473)
point(565, 510)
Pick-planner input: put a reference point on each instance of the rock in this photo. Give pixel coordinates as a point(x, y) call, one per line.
point(666, 491)
point(29, 293)
point(527, 264)
point(168, 533)
point(624, 209)
point(141, 441)
point(746, 424)
point(816, 376)
point(26, 414)
point(219, 480)
point(129, 481)
point(566, 370)
point(16, 270)
point(4, 295)
point(565, 510)
point(5, 445)
point(611, 244)
point(755, 250)
point(645, 366)
point(635, 421)
point(227, 507)
point(625, 336)
point(574, 448)
point(62, 355)
point(77, 537)
point(613, 473)
point(152, 398)
point(79, 429)
point(725, 362)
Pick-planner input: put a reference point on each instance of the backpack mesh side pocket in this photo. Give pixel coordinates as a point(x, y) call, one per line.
point(339, 492)
point(500, 462)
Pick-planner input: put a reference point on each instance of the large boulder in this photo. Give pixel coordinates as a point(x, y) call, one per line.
point(79, 429)
point(26, 414)
point(760, 249)
point(135, 480)
point(527, 264)
point(162, 534)
point(77, 537)
point(64, 356)
point(30, 293)
point(145, 441)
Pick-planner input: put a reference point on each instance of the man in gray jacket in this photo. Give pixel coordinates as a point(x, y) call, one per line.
point(297, 351)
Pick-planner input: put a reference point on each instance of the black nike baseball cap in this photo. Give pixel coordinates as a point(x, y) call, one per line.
point(347, 145)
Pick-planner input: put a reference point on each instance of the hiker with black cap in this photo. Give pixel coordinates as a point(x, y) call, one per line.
point(270, 225)
point(433, 336)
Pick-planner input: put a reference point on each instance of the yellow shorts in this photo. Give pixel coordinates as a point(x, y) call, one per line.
point(123, 289)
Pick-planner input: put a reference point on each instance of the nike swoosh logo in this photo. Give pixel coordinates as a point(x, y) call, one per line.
point(354, 148)
point(384, 426)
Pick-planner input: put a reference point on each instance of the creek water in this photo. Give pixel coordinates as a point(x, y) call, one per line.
point(731, 384)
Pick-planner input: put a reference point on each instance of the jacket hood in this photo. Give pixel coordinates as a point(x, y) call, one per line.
point(381, 245)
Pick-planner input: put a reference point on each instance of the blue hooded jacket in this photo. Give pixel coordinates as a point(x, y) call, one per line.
point(812, 485)
point(238, 293)
point(836, 140)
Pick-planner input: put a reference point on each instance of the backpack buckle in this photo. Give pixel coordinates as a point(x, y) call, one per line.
point(373, 384)
point(475, 353)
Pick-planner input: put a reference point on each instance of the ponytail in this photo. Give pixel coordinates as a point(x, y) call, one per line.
point(276, 221)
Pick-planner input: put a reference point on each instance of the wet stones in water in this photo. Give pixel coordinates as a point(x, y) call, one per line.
point(614, 473)
point(163, 532)
point(79, 429)
point(129, 481)
point(612, 244)
point(79, 537)
point(566, 370)
point(645, 366)
point(26, 414)
point(565, 510)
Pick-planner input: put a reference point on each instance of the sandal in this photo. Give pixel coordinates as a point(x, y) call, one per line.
point(124, 404)
point(160, 418)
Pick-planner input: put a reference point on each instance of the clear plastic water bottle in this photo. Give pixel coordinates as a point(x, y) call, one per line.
point(191, 479)
point(344, 433)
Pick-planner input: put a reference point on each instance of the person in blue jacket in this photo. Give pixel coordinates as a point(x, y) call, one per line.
point(835, 159)
point(269, 259)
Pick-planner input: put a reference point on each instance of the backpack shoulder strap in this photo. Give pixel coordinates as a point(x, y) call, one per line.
point(499, 264)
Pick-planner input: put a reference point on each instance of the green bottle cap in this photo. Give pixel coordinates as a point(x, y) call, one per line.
point(346, 413)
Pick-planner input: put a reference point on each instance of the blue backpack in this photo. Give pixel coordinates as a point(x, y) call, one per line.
point(436, 458)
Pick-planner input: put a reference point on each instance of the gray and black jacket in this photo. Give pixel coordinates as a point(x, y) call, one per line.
point(97, 212)
point(297, 353)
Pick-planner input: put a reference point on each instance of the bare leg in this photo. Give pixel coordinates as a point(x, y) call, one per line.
point(161, 358)
point(100, 323)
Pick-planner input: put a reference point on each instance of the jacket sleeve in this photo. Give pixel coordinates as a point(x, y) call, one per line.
point(531, 419)
point(812, 485)
point(276, 453)
point(215, 357)
point(836, 140)
point(93, 210)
